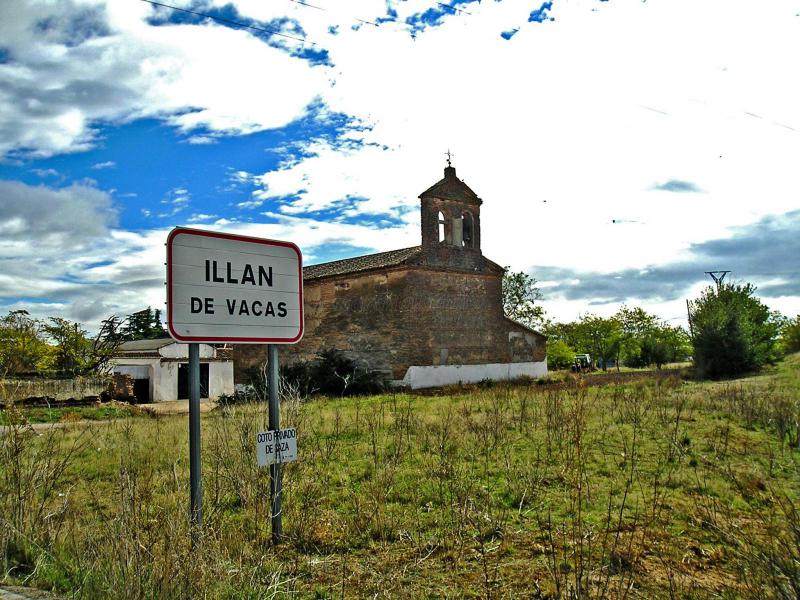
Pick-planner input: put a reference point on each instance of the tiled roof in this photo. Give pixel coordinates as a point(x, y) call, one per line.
point(145, 345)
point(360, 263)
point(451, 188)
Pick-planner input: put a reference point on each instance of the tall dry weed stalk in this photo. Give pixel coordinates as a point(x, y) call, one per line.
point(34, 490)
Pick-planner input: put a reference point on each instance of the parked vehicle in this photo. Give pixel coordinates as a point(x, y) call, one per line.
point(582, 363)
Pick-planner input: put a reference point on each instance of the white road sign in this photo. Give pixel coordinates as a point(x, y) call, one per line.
point(272, 448)
point(232, 288)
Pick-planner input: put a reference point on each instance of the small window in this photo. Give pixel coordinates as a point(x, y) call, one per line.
point(467, 233)
point(441, 227)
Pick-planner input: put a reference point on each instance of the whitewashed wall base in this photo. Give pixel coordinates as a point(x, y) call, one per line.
point(437, 376)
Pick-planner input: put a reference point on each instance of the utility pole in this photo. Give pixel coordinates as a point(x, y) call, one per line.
point(717, 276)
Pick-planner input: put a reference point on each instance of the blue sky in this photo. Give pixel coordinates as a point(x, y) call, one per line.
point(616, 164)
point(146, 161)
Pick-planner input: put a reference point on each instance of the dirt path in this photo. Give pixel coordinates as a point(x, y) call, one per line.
point(160, 409)
point(175, 407)
point(60, 425)
point(11, 592)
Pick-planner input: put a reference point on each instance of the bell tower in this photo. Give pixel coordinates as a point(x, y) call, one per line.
point(451, 219)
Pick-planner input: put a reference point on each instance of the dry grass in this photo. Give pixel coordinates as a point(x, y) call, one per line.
point(657, 488)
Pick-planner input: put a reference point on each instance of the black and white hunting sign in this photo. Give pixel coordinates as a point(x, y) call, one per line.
point(231, 288)
point(275, 447)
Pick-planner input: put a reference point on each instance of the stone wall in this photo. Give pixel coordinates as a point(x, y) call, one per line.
point(121, 387)
point(59, 389)
point(395, 318)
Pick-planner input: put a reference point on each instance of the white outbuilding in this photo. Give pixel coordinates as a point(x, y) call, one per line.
point(160, 369)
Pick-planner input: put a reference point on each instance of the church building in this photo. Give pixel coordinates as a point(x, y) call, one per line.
point(424, 316)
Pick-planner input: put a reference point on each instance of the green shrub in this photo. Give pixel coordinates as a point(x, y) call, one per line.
point(332, 374)
point(734, 332)
point(559, 354)
point(790, 336)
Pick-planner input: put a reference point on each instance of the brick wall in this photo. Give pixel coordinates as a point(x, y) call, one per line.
point(395, 318)
point(439, 252)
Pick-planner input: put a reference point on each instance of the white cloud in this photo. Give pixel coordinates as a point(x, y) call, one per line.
point(46, 172)
point(73, 229)
point(248, 204)
point(109, 164)
point(56, 218)
point(588, 112)
point(83, 268)
point(96, 61)
point(563, 112)
point(200, 217)
point(178, 198)
point(202, 139)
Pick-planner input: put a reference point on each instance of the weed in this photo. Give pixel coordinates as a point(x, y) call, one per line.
point(640, 488)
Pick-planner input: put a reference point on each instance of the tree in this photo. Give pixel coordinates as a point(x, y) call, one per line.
point(646, 340)
point(520, 295)
point(565, 332)
point(632, 335)
point(559, 354)
point(143, 325)
point(636, 324)
point(71, 343)
point(590, 334)
point(599, 337)
point(734, 332)
point(106, 343)
point(790, 335)
point(22, 346)
point(663, 344)
point(76, 353)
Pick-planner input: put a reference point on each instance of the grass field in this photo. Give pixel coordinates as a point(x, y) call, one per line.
point(57, 414)
point(650, 489)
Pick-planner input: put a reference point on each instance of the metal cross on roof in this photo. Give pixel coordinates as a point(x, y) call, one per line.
point(449, 156)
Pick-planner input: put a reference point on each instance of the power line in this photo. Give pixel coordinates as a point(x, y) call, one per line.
point(772, 273)
point(232, 22)
point(322, 8)
point(307, 4)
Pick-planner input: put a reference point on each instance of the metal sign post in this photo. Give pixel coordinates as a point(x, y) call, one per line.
point(235, 289)
point(275, 469)
point(194, 440)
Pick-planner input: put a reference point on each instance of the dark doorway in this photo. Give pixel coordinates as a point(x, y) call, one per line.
point(141, 390)
point(183, 381)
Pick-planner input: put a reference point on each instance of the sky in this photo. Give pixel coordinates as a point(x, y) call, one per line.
point(621, 148)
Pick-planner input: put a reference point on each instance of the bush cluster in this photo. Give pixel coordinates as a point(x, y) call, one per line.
point(734, 332)
point(332, 373)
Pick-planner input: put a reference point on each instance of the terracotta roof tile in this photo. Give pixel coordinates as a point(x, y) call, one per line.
point(360, 263)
